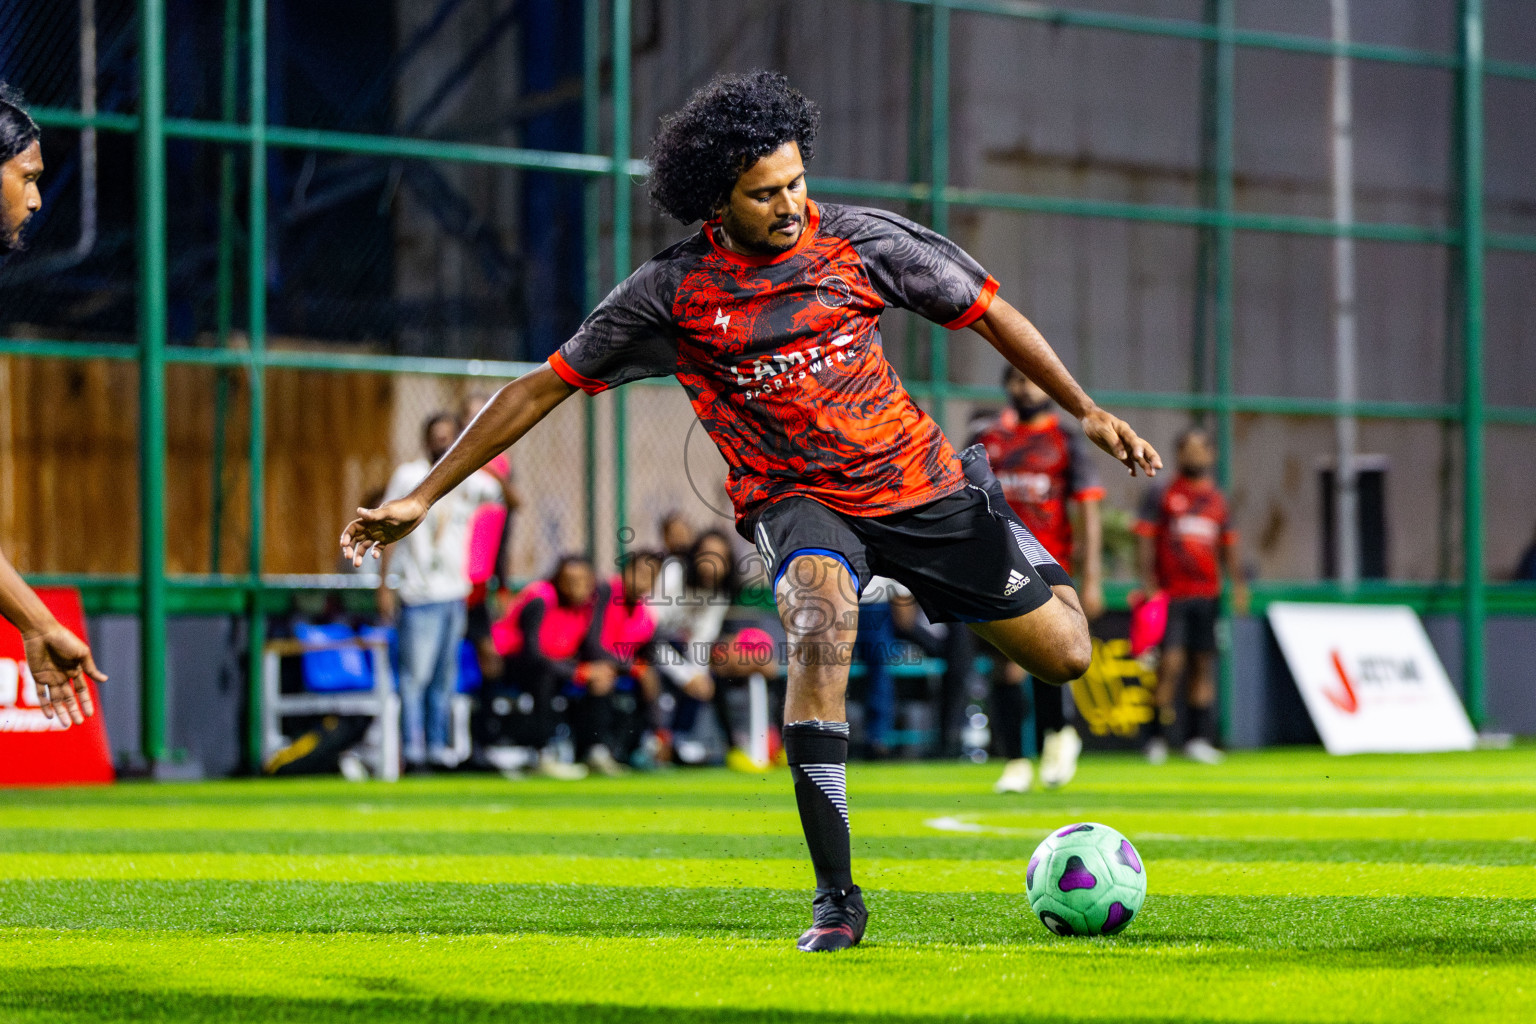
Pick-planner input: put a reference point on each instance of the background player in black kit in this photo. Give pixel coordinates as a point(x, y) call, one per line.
point(769, 318)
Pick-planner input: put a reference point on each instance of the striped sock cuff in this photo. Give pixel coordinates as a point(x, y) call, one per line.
point(832, 780)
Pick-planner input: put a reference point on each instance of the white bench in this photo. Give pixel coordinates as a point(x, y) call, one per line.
point(380, 748)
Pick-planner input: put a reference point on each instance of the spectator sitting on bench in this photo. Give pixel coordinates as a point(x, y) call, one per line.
point(550, 640)
point(719, 638)
point(693, 594)
point(629, 636)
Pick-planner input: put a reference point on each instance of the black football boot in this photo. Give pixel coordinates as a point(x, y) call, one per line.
point(838, 918)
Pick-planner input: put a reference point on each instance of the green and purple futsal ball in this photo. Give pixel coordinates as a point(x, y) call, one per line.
point(1086, 879)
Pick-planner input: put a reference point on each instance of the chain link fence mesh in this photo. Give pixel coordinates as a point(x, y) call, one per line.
point(383, 255)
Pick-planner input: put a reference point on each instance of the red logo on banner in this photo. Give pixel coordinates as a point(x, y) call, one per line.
point(36, 750)
point(1346, 701)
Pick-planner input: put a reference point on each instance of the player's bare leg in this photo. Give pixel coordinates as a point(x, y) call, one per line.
point(1050, 643)
point(1202, 704)
point(1202, 680)
point(1010, 706)
point(1170, 674)
point(820, 612)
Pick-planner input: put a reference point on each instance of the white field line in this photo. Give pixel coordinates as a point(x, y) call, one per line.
point(967, 825)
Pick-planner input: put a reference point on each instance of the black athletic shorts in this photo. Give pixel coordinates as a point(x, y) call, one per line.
point(966, 557)
point(1192, 624)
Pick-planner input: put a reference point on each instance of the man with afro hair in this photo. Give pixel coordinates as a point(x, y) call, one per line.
point(769, 317)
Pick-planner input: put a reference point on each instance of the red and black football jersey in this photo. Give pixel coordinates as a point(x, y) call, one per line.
point(1041, 467)
point(782, 360)
point(1187, 520)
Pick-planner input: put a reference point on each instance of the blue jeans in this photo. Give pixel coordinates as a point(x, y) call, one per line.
point(876, 637)
point(430, 635)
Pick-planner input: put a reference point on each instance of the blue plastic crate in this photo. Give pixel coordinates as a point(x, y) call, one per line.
point(334, 671)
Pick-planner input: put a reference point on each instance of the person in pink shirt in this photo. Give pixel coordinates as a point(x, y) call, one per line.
point(490, 550)
point(629, 636)
point(550, 639)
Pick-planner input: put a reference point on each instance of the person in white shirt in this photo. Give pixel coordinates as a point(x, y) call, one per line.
point(429, 604)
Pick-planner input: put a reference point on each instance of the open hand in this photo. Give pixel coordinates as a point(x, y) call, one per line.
point(1116, 437)
point(60, 662)
point(375, 527)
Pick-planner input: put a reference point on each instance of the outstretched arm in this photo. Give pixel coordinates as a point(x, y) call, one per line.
point(511, 413)
point(1011, 333)
point(58, 659)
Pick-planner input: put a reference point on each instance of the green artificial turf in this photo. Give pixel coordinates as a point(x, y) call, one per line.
point(1283, 886)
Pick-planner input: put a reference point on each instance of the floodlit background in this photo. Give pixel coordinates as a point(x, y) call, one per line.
point(247, 290)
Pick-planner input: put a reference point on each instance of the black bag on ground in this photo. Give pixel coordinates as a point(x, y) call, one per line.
point(318, 751)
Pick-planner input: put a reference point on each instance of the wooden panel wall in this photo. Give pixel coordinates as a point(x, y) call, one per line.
point(69, 465)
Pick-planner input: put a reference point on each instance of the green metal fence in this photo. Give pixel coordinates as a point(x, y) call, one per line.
point(154, 595)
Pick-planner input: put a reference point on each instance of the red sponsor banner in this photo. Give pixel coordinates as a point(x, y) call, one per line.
point(36, 750)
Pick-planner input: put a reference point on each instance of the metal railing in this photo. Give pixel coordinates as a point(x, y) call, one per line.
point(936, 195)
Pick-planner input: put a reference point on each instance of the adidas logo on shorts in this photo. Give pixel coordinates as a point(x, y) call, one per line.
point(1016, 582)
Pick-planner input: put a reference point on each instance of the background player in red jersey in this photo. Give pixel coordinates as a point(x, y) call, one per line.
point(1043, 470)
point(1186, 538)
point(769, 318)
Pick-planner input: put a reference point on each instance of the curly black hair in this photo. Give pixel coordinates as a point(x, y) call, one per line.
point(723, 129)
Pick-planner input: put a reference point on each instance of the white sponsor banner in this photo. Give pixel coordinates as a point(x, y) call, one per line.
point(1370, 679)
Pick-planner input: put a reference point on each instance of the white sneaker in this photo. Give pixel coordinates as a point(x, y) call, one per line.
point(1156, 750)
point(554, 768)
point(1018, 776)
point(1199, 749)
point(601, 760)
point(510, 759)
point(352, 767)
point(1058, 761)
point(689, 751)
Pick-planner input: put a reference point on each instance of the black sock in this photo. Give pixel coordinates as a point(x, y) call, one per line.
point(1162, 718)
point(1009, 699)
point(594, 720)
point(1202, 724)
point(818, 761)
point(722, 705)
point(1050, 711)
point(686, 715)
